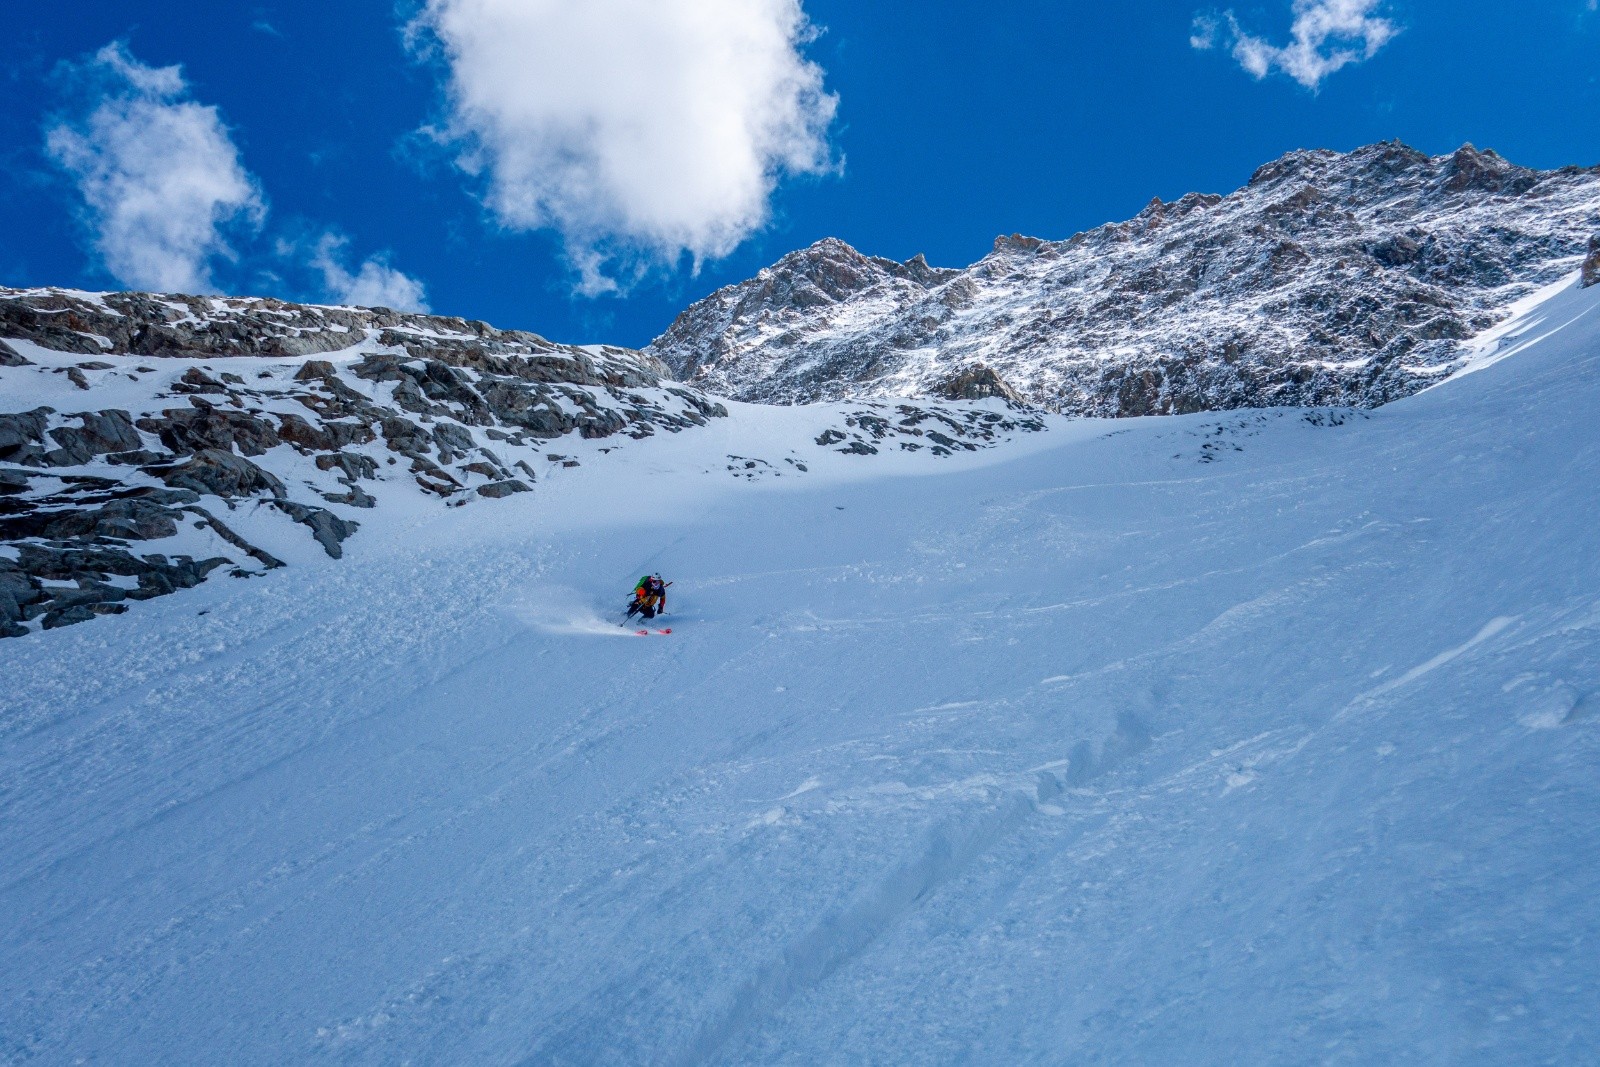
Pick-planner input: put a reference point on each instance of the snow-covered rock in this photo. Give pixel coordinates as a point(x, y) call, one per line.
point(234, 435)
point(202, 428)
point(1330, 279)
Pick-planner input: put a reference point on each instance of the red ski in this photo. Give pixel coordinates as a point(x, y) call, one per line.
point(647, 633)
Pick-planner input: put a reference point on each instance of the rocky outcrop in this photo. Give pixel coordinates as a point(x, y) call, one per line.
point(1590, 274)
point(977, 382)
point(10, 357)
point(32, 586)
point(1330, 279)
point(941, 429)
point(236, 431)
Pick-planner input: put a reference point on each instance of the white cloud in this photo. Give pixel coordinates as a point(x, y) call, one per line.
point(634, 128)
point(1204, 32)
point(374, 284)
point(159, 174)
point(1327, 35)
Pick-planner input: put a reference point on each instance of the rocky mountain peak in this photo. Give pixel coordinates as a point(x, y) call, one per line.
point(827, 274)
point(1470, 170)
point(824, 273)
point(917, 269)
point(1330, 278)
point(1292, 166)
point(836, 269)
point(1017, 242)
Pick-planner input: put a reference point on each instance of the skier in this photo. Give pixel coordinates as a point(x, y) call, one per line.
point(649, 597)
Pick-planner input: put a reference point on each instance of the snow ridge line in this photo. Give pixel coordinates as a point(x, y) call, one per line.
point(1492, 628)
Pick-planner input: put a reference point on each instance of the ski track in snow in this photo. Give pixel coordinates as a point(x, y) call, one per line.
point(1080, 751)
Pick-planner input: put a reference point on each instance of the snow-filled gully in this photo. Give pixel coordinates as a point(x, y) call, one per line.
point(1098, 747)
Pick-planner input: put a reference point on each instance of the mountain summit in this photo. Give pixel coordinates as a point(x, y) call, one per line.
point(1331, 278)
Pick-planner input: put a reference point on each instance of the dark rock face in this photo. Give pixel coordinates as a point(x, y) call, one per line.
point(24, 598)
point(1330, 279)
point(976, 383)
point(22, 436)
point(89, 499)
point(136, 519)
point(505, 488)
point(1590, 274)
point(205, 428)
point(220, 473)
point(102, 432)
point(329, 530)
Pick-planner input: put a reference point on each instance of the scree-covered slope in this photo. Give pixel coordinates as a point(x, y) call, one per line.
point(1265, 737)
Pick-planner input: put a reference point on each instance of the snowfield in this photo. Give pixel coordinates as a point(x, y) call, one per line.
point(1264, 737)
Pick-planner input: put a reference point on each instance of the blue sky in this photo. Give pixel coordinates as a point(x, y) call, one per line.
point(564, 167)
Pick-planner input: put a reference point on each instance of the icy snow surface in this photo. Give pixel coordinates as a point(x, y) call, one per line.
point(1261, 738)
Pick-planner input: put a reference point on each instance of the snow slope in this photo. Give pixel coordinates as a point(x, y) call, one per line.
point(1265, 737)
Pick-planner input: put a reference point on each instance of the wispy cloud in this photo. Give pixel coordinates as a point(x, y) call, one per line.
point(159, 174)
point(1204, 30)
point(375, 283)
point(165, 195)
point(1326, 36)
point(638, 130)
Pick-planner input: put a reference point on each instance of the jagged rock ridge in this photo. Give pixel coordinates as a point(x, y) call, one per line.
point(200, 436)
point(1330, 279)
